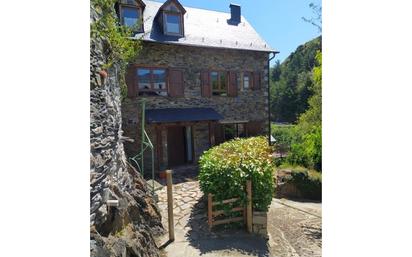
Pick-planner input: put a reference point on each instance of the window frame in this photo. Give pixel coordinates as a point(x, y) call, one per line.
point(220, 91)
point(181, 28)
point(251, 80)
point(152, 89)
point(236, 129)
point(140, 11)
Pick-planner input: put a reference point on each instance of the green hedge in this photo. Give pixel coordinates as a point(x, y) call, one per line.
point(224, 170)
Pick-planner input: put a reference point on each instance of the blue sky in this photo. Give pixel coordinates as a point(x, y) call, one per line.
point(279, 22)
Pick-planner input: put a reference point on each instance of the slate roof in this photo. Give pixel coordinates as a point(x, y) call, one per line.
point(181, 115)
point(204, 28)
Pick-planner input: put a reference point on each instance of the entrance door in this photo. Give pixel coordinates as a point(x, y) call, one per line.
point(176, 145)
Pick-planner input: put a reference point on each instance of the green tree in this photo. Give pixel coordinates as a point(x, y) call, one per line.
point(291, 83)
point(313, 116)
point(276, 71)
point(317, 19)
point(307, 148)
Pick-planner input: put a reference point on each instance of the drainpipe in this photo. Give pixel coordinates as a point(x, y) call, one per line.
point(270, 129)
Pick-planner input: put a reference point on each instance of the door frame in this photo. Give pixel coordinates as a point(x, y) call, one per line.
point(183, 126)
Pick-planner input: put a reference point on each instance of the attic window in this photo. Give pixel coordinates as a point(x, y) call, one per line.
point(131, 15)
point(173, 23)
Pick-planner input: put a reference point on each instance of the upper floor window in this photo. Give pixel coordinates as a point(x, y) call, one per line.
point(152, 81)
point(218, 80)
point(131, 14)
point(173, 23)
point(246, 80)
point(172, 18)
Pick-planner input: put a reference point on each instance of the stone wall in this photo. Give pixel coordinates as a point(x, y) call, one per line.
point(251, 105)
point(129, 228)
point(260, 223)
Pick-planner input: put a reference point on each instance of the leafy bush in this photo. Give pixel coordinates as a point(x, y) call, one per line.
point(224, 170)
point(308, 182)
point(284, 136)
point(307, 151)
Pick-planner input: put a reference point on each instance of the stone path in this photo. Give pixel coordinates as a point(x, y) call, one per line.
point(185, 196)
point(294, 228)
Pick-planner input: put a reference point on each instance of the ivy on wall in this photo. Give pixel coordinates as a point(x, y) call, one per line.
point(118, 48)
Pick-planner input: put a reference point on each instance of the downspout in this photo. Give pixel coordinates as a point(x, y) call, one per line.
point(270, 58)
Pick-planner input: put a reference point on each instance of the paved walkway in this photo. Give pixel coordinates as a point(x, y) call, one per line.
point(294, 228)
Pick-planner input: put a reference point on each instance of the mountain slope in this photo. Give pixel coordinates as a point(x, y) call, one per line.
point(291, 83)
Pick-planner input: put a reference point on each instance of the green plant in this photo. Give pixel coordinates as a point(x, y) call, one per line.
point(284, 136)
point(308, 182)
point(118, 48)
point(224, 170)
point(306, 149)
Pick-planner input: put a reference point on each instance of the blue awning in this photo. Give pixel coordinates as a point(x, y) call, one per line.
point(171, 115)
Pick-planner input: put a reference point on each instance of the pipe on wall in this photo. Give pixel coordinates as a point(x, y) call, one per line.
point(269, 128)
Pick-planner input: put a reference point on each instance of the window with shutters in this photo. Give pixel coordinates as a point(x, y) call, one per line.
point(218, 80)
point(152, 81)
point(256, 80)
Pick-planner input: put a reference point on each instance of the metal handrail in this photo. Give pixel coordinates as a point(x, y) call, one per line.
point(145, 143)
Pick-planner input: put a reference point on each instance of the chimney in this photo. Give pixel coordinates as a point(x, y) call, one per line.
point(235, 13)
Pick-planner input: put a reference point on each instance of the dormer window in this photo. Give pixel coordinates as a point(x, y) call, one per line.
point(131, 14)
point(173, 23)
point(171, 18)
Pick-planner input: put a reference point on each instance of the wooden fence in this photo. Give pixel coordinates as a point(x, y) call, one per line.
point(246, 210)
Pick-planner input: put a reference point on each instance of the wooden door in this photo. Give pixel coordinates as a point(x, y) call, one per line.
point(176, 145)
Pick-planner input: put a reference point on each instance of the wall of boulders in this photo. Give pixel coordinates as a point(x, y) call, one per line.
point(130, 227)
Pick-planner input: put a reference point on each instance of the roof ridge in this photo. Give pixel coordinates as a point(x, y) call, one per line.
point(191, 7)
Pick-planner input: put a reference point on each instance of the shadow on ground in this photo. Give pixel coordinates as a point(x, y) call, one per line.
point(221, 239)
point(313, 234)
point(181, 174)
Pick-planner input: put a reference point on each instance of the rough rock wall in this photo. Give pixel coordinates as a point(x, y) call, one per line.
point(130, 228)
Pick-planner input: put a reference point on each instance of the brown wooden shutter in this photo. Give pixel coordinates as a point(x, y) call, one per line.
point(176, 86)
point(256, 80)
point(130, 79)
point(254, 128)
point(232, 88)
point(205, 84)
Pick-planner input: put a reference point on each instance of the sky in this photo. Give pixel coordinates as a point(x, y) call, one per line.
point(279, 22)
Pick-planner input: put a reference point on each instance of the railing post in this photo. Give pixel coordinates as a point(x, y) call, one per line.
point(143, 139)
point(170, 205)
point(249, 206)
point(209, 210)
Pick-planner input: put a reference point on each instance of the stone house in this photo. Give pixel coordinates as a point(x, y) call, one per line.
point(203, 74)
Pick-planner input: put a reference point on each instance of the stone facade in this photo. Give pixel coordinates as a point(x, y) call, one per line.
point(127, 229)
point(248, 105)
